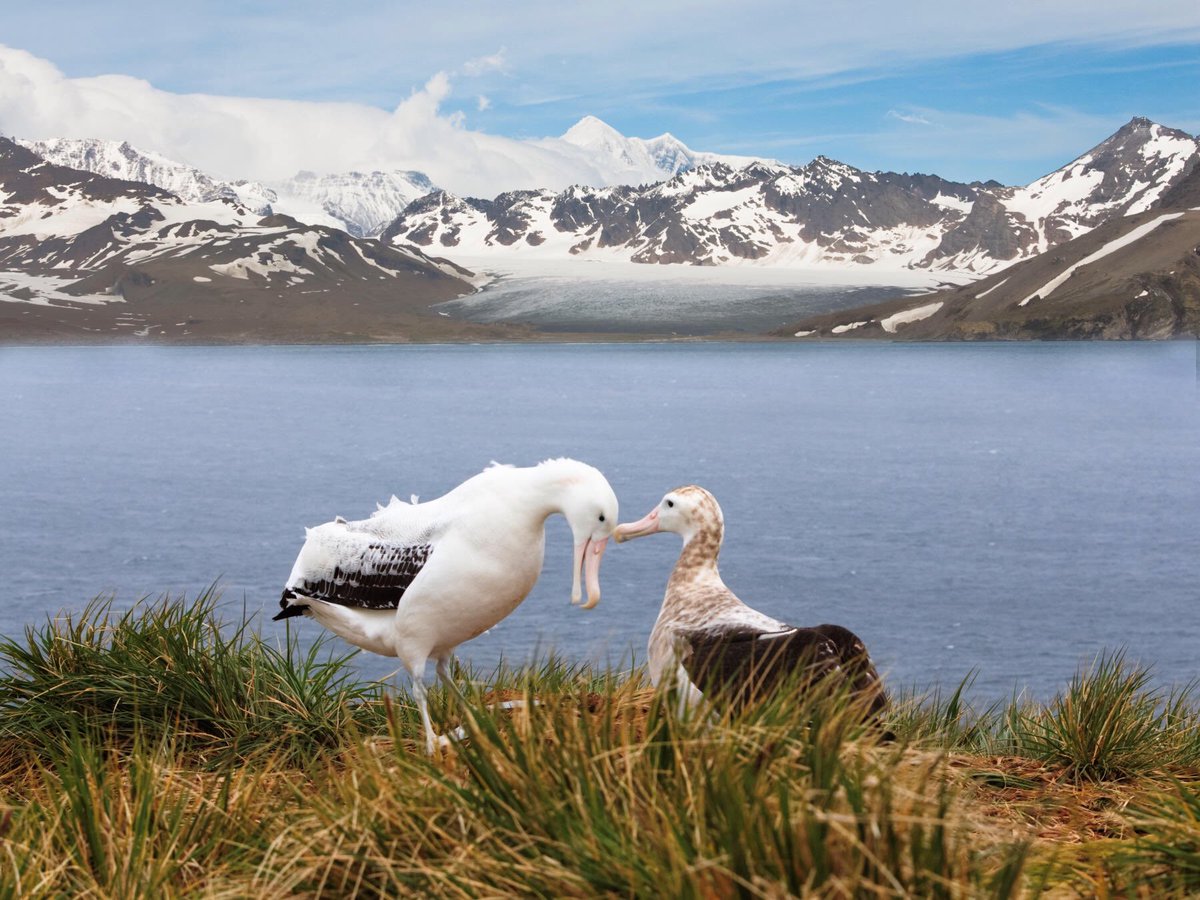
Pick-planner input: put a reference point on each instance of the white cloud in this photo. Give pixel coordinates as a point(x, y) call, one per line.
point(616, 49)
point(235, 137)
point(618, 55)
point(910, 118)
point(483, 64)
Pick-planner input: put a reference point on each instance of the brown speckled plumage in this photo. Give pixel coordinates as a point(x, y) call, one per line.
point(698, 609)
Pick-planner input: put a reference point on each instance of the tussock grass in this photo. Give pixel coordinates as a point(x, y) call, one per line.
point(1166, 851)
point(171, 669)
point(96, 821)
point(607, 792)
point(1110, 724)
point(157, 752)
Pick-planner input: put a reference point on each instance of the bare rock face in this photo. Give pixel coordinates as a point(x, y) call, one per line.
point(987, 229)
point(1184, 193)
point(823, 213)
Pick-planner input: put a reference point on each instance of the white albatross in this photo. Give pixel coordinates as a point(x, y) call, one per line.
point(711, 643)
point(415, 580)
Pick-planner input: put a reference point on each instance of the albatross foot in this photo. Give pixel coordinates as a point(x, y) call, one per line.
point(439, 742)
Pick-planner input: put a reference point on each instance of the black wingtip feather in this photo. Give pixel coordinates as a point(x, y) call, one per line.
point(288, 612)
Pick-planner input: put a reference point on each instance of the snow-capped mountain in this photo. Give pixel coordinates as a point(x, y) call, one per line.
point(1123, 175)
point(117, 159)
point(364, 203)
point(712, 210)
point(361, 203)
point(823, 214)
point(76, 240)
point(649, 159)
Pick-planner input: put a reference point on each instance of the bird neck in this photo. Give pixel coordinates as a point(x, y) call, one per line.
point(698, 559)
point(544, 496)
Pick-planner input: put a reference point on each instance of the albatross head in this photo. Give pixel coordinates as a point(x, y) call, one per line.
point(687, 511)
point(587, 501)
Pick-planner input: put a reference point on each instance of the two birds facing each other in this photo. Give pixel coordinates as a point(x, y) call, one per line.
point(415, 580)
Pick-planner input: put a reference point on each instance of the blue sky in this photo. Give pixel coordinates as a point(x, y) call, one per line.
point(943, 87)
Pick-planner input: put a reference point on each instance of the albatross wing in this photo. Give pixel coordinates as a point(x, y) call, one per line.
point(352, 564)
point(856, 666)
point(744, 665)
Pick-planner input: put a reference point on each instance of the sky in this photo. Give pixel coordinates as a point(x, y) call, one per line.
point(468, 91)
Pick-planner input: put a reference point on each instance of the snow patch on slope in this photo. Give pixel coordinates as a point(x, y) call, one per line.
point(47, 290)
point(1111, 247)
point(909, 315)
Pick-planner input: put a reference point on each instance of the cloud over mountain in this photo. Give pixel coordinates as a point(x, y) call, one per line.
point(270, 140)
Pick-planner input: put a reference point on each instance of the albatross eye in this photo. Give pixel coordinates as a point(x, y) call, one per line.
point(671, 504)
point(601, 517)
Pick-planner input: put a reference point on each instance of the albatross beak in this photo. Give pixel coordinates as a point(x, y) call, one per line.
point(640, 528)
point(587, 560)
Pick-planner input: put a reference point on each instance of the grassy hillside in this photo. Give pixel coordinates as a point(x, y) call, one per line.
point(157, 752)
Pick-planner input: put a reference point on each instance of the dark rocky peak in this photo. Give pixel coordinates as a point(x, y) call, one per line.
point(512, 198)
point(716, 176)
point(709, 173)
point(433, 202)
point(824, 163)
point(1137, 123)
point(436, 206)
point(1130, 139)
point(825, 175)
point(766, 171)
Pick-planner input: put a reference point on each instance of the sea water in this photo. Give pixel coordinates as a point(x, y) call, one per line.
point(1006, 509)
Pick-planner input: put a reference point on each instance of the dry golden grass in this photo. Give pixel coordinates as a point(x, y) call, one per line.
point(592, 786)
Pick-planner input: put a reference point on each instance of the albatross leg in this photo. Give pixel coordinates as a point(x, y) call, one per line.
point(687, 695)
point(432, 739)
point(443, 673)
point(460, 733)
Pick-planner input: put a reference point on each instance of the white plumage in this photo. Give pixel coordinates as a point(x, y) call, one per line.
point(415, 580)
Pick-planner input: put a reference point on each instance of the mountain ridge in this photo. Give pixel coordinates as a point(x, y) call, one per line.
point(91, 256)
point(1132, 277)
point(1097, 248)
point(362, 203)
point(824, 213)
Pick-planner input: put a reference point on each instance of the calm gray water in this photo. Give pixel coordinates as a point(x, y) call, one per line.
point(1008, 508)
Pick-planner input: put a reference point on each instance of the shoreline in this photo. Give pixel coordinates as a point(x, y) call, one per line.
point(691, 303)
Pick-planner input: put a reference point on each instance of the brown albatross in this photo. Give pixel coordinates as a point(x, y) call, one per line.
point(713, 644)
